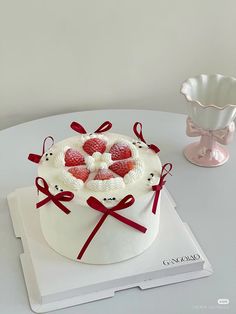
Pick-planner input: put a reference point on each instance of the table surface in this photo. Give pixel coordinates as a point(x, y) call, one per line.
point(204, 197)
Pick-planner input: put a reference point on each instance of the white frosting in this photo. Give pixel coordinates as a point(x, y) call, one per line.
point(136, 173)
point(106, 185)
point(60, 157)
point(115, 241)
point(86, 137)
point(139, 144)
point(98, 161)
point(60, 160)
point(68, 179)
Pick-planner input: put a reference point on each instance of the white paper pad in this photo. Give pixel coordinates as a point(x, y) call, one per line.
point(55, 282)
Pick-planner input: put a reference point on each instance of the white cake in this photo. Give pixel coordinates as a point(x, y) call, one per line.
point(99, 170)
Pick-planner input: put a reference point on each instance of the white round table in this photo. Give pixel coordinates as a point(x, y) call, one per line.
point(204, 197)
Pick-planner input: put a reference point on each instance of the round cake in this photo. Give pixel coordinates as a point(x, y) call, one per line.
point(96, 197)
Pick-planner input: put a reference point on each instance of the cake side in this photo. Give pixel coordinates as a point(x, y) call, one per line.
point(114, 242)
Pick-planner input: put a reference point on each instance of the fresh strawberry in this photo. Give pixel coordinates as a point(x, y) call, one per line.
point(81, 173)
point(120, 151)
point(104, 174)
point(122, 167)
point(73, 158)
point(94, 145)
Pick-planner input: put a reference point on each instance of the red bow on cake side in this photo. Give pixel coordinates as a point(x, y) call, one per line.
point(166, 168)
point(127, 201)
point(36, 158)
point(65, 196)
point(138, 131)
point(107, 125)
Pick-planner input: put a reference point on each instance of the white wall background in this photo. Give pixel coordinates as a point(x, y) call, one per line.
point(68, 55)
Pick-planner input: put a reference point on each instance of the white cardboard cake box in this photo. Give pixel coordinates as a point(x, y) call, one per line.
point(55, 282)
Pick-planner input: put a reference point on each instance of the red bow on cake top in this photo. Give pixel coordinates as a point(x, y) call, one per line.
point(222, 136)
point(65, 196)
point(157, 188)
point(127, 201)
point(139, 134)
point(36, 158)
point(80, 129)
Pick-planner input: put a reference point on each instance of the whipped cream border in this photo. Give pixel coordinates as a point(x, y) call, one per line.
point(106, 185)
point(68, 179)
point(86, 137)
point(136, 173)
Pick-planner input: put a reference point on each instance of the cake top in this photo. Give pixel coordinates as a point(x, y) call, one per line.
point(106, 165)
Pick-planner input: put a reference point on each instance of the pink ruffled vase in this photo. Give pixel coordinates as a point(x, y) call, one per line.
point(211, 106)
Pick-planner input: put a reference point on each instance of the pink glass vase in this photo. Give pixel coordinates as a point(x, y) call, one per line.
point(211, 105)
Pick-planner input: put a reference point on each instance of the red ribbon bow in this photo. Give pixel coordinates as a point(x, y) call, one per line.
point(139, 134)
point(65, 196)
point(127, 201)
point(80, 129)
point(157, 188)
point(36, 158)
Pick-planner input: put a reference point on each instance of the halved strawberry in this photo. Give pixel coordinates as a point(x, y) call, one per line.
point(94, 145)
point(73, 158)
point(104, 174)
point(81, 173)
point(120, 151)
point(122, 167)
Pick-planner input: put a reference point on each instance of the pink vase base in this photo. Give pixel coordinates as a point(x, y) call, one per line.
point(197, 154)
